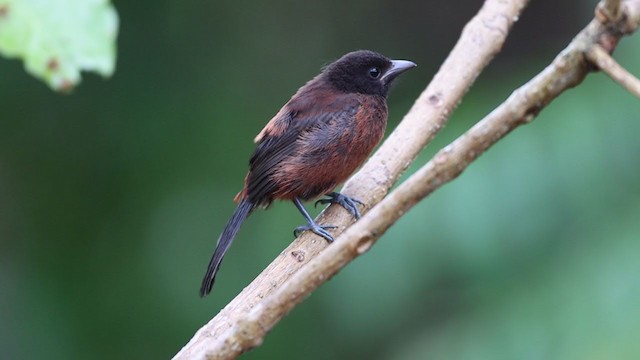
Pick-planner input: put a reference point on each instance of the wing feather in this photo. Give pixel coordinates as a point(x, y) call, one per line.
point(281, 138)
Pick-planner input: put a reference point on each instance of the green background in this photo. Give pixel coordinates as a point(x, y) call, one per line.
point(112, 197)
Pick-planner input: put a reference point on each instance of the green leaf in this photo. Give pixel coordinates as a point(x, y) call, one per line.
point(59, 38)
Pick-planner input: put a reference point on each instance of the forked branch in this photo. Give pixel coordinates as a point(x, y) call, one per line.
point(599, 57)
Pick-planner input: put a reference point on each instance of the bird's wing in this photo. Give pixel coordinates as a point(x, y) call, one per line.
point(279, 138)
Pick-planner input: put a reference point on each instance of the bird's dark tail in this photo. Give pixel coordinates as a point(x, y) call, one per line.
point(224, 241)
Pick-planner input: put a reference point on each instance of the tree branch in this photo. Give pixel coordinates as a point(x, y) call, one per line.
point(243, 323)
point(606, 63)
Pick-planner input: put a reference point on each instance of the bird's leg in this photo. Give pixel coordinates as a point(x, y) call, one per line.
point(350, 204)
point(311, 225)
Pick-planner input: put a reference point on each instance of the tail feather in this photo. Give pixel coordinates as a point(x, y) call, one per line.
point(224, 241)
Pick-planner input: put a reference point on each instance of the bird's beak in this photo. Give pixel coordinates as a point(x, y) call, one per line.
point(397, 68)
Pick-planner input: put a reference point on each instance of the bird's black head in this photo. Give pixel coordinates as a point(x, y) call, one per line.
point(365, 72)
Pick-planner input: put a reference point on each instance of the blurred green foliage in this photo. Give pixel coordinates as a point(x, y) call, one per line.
point(59, 38)
point(111, 199)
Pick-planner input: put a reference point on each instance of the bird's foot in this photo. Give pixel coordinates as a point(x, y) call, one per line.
point(317, 229)
point(350, 204)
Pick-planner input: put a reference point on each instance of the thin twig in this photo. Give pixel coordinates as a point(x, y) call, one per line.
point(606, 63)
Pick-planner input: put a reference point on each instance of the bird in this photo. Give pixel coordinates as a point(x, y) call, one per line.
point(315, 142)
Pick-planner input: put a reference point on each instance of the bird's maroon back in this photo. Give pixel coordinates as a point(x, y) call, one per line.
point(314, 143)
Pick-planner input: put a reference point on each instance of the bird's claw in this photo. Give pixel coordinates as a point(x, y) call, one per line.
point(320, 230)
point(348, 203)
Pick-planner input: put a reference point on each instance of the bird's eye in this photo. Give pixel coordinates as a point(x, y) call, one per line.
point(374, 72)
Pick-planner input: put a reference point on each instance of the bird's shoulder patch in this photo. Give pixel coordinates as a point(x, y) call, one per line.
point(277, 125)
